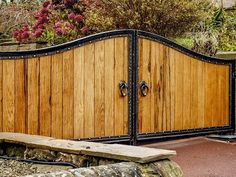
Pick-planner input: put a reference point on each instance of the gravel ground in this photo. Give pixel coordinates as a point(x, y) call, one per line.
point(14, 168)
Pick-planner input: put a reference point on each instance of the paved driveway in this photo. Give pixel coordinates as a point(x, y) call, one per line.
point(201, 157)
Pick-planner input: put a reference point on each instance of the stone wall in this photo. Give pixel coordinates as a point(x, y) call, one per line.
point(163, 168)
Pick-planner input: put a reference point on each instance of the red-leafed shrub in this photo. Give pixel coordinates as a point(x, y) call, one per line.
point(56, 22)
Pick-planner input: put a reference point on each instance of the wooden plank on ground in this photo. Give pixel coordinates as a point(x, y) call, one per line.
point(109, 87)
point(99, 89)
point(9, 95)
point(89, 111)
point(56, 95)
point(111, 151)
point(68, 94)
point(20, 96)
point(79, 99)
point(32, 95)
point(45, 96)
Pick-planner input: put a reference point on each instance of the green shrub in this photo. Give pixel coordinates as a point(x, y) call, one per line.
point(227, 32)
point(164, 17)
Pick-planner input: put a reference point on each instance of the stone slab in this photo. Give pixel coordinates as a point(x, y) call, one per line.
point(109, 151)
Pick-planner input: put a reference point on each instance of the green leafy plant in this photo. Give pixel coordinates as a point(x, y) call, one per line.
point(164, 17)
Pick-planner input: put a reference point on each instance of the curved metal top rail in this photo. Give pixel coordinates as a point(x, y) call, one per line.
point(65, 46)
point(105, 35)
point(182, 49)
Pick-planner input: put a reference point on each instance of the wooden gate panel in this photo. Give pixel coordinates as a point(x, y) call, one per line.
point(74, 94)
point(185, 93)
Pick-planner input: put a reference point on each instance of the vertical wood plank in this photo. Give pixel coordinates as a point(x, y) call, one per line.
point(9, 95)
point(172, 87)
point(33, 98)
point(226, 97)
point(79, 92)
point(218, 99)
point(210, 73)
point(223, 102)
point(159, 88)
point(189, 75)
point(56, 95)
point(140, 78)
point(179, 92)
point(89, 91)
point(45, 96)
point(154, 88)
point(99, 89)
point(126, 61)
point(167, 103)
point(146, 76)
point(1, 95)
point(109, 86)
point(20, 96)
point(201, 94)
point(119, 76)
point(68, 94)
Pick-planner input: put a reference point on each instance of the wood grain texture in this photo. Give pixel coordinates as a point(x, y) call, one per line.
point(56, 95)
point(68, 94)
point(9, 95)
point(99, 89)
point(146, 76)
point(179, 86)
point(33, 96)
point(89, 83)
point(79, 98)
point(45, 96)
point(109, 87)
point(75, 94)
point(125, 70)
point(119, 76)
point(20, 97)
point(1, 95)
point(185, 93)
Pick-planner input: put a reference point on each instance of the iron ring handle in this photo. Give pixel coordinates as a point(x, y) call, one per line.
point(123, 88)
point(144, 88)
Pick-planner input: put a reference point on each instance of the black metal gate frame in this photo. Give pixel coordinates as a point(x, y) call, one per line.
point(134, 136)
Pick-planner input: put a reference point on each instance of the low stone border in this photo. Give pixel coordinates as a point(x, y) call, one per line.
point(164, 168)
point(104, 160)
point(109, 151)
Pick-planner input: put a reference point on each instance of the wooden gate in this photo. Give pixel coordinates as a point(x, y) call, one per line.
point(181, 92)
point(117, 86)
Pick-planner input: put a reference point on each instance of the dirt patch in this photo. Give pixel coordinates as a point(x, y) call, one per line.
point(14, 168)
